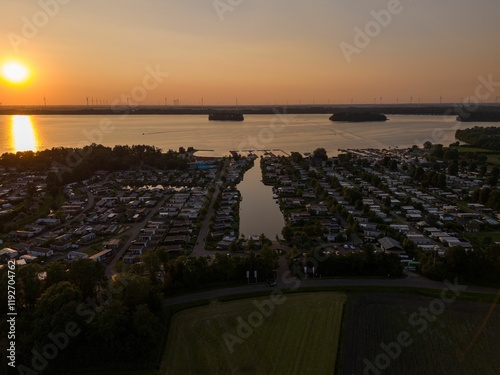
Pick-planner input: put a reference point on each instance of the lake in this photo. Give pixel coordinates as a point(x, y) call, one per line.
point(259, 213)
point(301, 133)
point(304, 133)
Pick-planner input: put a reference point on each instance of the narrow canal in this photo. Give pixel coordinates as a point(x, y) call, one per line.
point(259, 213)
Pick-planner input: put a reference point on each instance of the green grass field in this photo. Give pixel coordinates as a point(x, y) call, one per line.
point(494, 159)
point(479, 237)
point(300, 336)
point(493, 156)
point(474, 149)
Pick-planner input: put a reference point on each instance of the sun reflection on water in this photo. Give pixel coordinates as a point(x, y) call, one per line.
point(23, 134)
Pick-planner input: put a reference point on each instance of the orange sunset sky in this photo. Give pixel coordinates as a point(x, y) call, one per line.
point(259, 51)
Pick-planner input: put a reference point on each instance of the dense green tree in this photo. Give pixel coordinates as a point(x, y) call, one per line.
point(287, 233)
point(56, 272)
point(456, 259)
point(451, 154)
point(29, 286)
point(110, 327)
point(365, 263)
point(87, 275)
point(437, 151)
point(296, 156)
point(221, 267)
point(453, 169)
point(152, 264)
point(492, 180)
point(419, 172)
point(320, 154)
point(481, 137)
point(57, 306)
point(264, 240)
point(495, 171)
point(145, 325)
point(268, 262)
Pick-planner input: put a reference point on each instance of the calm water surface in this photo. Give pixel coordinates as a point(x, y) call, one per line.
point(259, 213)
point(301, 133)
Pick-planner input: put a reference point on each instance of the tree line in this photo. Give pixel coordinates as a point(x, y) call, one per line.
point(181, 273)
point(119, 323)
point(70, 316)
point(358, 264)
point(487, 196)
point(76, 164)
point(474, 267)
point(482, 137)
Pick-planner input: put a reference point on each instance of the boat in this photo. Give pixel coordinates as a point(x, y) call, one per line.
point(358, 117)
point(479, 116)
point(225, 116)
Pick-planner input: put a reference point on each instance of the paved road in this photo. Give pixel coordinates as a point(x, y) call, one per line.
point(412, 281)
point(199, 247)
point(90, 203)
point(133, 232)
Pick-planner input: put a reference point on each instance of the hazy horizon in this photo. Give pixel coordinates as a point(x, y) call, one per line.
point(228, 52)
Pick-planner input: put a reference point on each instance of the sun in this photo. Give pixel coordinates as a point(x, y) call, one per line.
point(15, 72)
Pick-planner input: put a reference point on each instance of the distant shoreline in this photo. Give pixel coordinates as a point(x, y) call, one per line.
point(401, 109)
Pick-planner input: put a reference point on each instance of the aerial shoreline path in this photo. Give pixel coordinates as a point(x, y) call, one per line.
point(412, 280)
point(132, 233)
point(392, 109)
point(199, 248)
